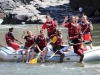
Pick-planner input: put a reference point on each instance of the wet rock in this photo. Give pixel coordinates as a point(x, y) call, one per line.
point(22, 10)
point(34, 11)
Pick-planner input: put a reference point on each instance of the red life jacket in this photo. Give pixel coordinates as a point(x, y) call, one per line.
point(85, 27)
point(50, 27)
point(8, 38)
point(29, 41)
point(59, 40)
point(52, 36)
point(42, 41)
point(73, 30)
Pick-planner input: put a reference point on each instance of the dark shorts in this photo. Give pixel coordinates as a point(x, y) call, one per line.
point(58, 48)
point(37, 51)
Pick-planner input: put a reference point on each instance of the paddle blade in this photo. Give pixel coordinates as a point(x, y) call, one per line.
point(33, 61)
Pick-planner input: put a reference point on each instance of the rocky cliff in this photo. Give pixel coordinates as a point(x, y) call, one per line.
point(33, 11)
point(90, 7)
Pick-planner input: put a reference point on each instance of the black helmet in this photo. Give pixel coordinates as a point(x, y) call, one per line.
point(11, 29)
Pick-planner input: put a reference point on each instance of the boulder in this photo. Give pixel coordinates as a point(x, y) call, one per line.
point(34, 11)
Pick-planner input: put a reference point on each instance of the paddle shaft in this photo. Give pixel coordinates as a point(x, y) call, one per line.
point(81, 43)
point(85, 29)
point(53, 54)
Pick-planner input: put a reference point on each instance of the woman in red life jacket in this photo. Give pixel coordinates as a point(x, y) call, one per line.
point(30, 40)
point(41, 43)
point(73, 27)
point(77, 43)
point(57, 42)
point(86, 28)
point(50, 25)
point(10, 38)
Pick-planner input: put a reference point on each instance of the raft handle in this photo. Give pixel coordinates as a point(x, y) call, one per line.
point(15, 56)
point(68, 59)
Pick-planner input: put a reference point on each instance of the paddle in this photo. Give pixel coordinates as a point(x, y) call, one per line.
point(19, 59)
point(85, 29)
point(69, 42)
point(80, 43)
point(21, 49)
point(53, 55)
point(34, 60)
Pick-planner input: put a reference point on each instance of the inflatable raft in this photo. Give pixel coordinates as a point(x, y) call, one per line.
point(89, 55)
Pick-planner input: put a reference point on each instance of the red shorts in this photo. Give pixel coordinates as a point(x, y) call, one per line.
point(87, 37)
point(14, 45)
point(80, 51)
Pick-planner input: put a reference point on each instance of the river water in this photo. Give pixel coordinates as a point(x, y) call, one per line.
point(48, 68)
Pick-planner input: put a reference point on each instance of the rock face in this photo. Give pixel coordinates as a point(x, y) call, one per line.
point(34, 11)
point(89, 6)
